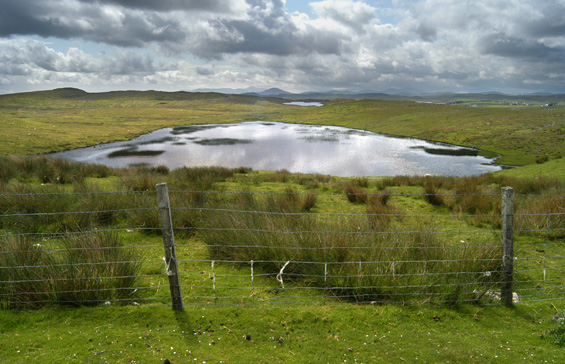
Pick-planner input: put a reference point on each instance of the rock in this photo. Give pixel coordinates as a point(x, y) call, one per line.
point(557, 318)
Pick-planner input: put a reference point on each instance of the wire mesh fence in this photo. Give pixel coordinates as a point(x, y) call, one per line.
point(242, 247)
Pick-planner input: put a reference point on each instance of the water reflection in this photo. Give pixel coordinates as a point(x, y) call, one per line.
point(297, 148)
point(303, 103)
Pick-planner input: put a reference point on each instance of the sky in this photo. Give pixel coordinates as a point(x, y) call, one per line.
point(506, 46)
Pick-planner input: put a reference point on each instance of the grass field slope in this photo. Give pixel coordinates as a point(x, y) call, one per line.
point(49, 121)
point(47, 206)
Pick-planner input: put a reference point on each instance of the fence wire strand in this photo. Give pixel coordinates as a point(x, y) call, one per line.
point(276, 256)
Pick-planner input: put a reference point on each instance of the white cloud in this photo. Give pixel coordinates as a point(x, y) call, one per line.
point(352, 14)
point(434, 44)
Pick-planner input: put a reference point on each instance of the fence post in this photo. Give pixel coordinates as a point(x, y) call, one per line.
point(507, 245)
point(169, 244)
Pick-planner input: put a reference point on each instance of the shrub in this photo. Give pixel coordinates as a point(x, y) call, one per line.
point(308, 201)
point(290, 201)
point(141, 179)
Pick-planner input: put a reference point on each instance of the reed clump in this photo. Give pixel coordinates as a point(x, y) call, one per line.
point(355, 193)
point(48, 170)
point(357, 258)
point(373, 253)
point(379, 213)
point(77, 270)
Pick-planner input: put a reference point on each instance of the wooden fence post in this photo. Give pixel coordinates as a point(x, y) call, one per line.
point(507, 245)
point(169, 244)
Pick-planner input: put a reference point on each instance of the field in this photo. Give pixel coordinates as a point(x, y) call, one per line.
point(50, 121)
point(419, 331)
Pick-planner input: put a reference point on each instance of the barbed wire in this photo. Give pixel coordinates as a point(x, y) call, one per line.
point(79, 212)
point(268, 193)
point(75, 193)
point(465, 282)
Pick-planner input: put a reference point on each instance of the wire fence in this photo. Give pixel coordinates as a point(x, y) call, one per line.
point(233, 248)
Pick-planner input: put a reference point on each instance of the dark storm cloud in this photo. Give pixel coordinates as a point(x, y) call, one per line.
point(203, 71)
point(548, 22)
point(230, 37)
point(266, 28)
point(21, 17)
point(437, 44)
point(87, 21)
point(170, 5)
point(503, 45)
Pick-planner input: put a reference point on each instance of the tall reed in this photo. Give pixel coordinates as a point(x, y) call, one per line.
point(353, 257)
point(78, 270)
point(24, 273)
point(95, 268)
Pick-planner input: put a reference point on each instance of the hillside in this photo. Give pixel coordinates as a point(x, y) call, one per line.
point(48, 121)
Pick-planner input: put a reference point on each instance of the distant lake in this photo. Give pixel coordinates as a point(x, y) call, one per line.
point(303, 103)
point(274, 146)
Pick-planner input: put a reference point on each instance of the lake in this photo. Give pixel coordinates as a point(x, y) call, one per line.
point(303, 103)
point(300, 148)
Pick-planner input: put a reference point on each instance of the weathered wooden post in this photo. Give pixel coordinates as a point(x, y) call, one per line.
point(169, 244)
point(507, 245)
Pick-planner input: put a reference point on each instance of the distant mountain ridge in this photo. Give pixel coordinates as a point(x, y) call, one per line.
point(443, 97)
point(405, 94)
point(274, 91)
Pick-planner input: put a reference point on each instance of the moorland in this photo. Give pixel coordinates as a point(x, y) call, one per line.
point(421, 330)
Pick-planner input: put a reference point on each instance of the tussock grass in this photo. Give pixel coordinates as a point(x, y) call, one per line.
point(48, 170)
point(378, 213)
point(277, 217)
point(355, 193)
point(24, 273)
point(353, 264)
point(77, 270)
point(356, 257)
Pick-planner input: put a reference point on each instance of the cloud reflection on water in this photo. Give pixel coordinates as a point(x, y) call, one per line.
point(297, 148)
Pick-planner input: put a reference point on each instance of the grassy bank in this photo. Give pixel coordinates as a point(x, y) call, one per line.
point(41, 122)
point(271, 334)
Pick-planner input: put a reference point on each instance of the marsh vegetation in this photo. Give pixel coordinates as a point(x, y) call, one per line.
point(280, 216)
point(37, 123)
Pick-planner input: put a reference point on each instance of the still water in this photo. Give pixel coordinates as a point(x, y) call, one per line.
point(297, 148)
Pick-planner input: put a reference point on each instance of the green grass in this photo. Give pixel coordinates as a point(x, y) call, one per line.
point(458, 217)
point(76, 270)
point(551, 169)
point(308, 334)
point(41, 122)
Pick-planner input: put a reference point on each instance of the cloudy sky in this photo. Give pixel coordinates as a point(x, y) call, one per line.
point(515, 46)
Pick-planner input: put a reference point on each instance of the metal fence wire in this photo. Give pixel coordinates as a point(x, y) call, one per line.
point(234, 248)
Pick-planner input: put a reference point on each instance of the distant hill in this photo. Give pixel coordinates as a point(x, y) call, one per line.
point(277, 93)
point(229, 90)
point(77, 94)
point(272, 92)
